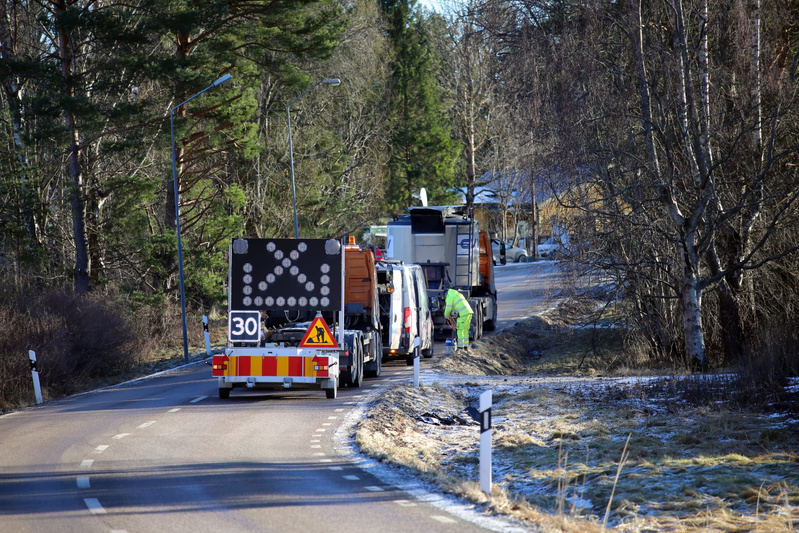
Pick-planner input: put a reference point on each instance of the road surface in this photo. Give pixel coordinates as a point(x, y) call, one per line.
point(166, 454)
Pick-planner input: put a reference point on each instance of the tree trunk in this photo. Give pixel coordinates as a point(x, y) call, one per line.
point(691, 298)
point(74, 167)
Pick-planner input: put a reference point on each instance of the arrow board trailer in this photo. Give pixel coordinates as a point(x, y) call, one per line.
point(284, 294)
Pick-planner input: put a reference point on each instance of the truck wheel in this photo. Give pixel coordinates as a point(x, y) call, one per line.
point(356, 372)
point(476, 327)
point(224, 394)
point(491, 323)
point(373, 368)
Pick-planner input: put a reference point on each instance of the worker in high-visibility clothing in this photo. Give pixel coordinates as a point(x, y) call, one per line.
point(458, 308)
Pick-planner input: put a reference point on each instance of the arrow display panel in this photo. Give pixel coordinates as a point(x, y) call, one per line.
point(281, 274)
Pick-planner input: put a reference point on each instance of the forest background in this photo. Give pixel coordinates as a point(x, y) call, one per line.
point(668, 130)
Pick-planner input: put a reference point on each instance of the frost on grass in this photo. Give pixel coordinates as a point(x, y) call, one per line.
point(557, 443)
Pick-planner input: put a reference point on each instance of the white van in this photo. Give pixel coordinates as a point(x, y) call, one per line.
point(404, 310)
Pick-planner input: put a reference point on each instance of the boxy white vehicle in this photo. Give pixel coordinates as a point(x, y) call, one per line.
point(404, 310)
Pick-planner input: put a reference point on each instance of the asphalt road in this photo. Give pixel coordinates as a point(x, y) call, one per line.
point(165, 454)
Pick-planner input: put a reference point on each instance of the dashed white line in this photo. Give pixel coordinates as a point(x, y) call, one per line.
point(372, 488)
point(321, 430)
point(175, 410)
point(327, 424)
point(86, 463)
point(338, 410)
point(120, 436)
point(83, 482)
point(101, 448)
point(336, 468)
point(315, 446)
point(443, 519)
point(94, 505)
point(146, 424)
point(199, 399)
point(332, 418)
point(351, 478)
point(320, 454)
point(326, 460)
point(405, 503)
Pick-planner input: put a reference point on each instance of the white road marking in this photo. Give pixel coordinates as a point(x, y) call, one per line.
point(320, 454)
point(101, 448)
point(372, 488)
point(86, 463)
point(327, 423)
point(350, 403)
point(199, 399)
point(94, 505)
point(326, 460)
point(405, 503)
point(175, 410)
point(321, 430)
point(314, 446)
point(336, 468)
point(120, 436)
point(332, 418)
point(146, 424)
point(443, 519)
point(351, 478)
point(337, 410)
point(83, 482)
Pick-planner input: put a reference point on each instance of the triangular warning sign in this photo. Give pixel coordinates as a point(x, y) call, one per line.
point(318, 335)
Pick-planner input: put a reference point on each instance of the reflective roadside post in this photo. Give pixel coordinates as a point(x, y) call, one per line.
point(485, 441)
point(218, 82)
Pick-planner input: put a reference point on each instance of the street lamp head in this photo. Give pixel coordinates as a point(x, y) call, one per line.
point(221, 80)
point(332, 81)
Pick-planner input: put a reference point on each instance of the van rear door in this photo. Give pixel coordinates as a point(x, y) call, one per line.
point(391, 306)
point(424, 322)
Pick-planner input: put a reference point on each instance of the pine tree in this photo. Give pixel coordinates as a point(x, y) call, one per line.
point(422, 150)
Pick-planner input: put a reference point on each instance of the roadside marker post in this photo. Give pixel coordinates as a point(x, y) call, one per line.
point(37, 387)
point(485, 441)
point(416, 362)
point(207, 336)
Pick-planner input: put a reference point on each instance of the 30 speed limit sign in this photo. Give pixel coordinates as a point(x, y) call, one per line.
point(244, 326)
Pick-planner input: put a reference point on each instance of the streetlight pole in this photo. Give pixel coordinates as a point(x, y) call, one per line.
point(218, 82)
point(329, 81)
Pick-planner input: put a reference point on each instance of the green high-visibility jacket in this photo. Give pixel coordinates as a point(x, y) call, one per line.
point(456, 303)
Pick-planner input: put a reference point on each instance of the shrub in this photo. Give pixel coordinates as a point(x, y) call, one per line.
point(78, 340)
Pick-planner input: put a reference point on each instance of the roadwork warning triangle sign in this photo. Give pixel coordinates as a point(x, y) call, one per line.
point(318, 335)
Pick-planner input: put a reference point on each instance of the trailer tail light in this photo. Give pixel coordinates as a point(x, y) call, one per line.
point(219, 365)
point(321, 366)
point(407, 320)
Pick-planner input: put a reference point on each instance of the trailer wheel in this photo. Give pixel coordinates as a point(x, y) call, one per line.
point(332, 392)
point(224, 394)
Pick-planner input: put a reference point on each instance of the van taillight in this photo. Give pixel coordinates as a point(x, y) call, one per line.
point(407, 320)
